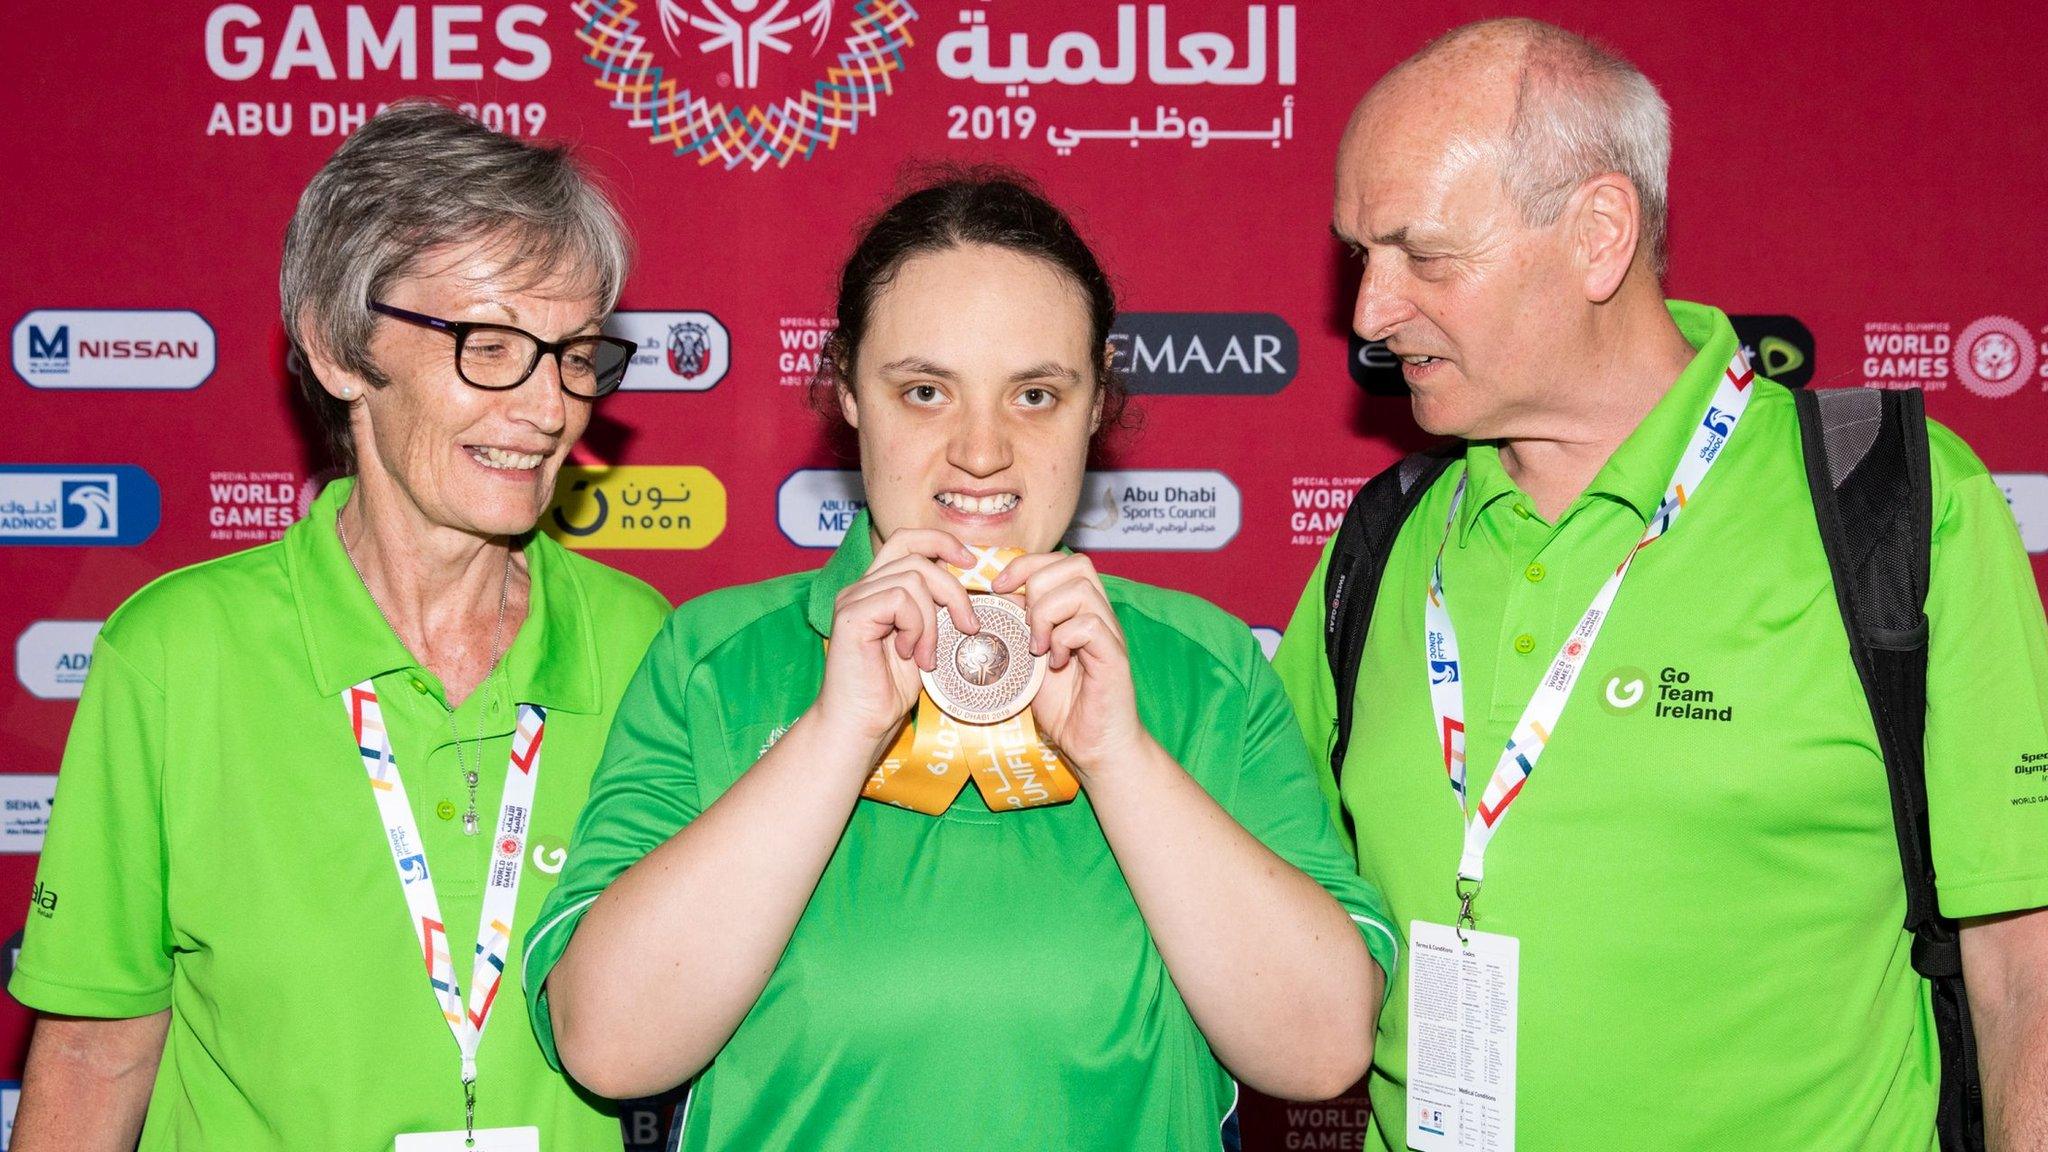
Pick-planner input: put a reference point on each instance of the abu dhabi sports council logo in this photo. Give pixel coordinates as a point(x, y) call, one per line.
point(77, 504)
point(1156, 511)
point(1994, 356)
point(679, 351)
point(815, 506)
point(153, 349)
point(2027, 493)
point(51, 657)
point(666, 87)
point(1204, 353)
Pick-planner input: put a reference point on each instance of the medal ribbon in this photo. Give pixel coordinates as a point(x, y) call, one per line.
point(408, 854)
point(1540, 717)
point(935, 755)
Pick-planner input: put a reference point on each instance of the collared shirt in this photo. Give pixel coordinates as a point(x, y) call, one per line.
point(1703, 874)
point(218, 851)
point(972, 978)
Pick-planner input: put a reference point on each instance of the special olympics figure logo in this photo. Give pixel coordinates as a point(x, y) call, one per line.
point(1994, 357)
point(681, 115)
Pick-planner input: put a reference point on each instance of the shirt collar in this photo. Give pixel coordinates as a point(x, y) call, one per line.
point(551, 662)
point(852, 558)
point(1640, 469)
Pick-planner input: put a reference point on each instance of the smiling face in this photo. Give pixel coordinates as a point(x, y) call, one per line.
point(974, 394)
point(1478, 304)
point(477, 461)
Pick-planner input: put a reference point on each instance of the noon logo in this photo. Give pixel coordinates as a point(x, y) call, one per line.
point(636, 507)
point(1624, 690)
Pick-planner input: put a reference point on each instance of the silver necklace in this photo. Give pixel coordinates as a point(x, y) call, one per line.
point(469, 775)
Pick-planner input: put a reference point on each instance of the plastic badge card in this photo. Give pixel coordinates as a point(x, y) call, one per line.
point(1462, 997)
point(525, 1139)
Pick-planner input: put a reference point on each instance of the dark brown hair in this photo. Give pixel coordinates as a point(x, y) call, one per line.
point(992, 206)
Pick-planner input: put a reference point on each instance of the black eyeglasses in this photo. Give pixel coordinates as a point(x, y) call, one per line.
point(499, 356)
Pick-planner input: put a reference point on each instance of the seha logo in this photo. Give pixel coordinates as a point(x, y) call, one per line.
point(78, 349)
point(1205, 353)
point(1156, 511)
point(815, 506)
point(679, 351)
point(51, 657)
point(25, 803)
point(838, 60)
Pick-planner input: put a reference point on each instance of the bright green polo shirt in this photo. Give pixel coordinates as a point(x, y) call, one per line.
point(218, 851)
point(927, 999)
point(1706, 887)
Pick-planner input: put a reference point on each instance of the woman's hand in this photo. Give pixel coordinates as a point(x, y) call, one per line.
point(1086, 706)
point(885, 630)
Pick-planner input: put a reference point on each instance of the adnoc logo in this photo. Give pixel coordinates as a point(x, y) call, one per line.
point(157, 349)
point(1994, 357)
point(77, 504)
point(849, 61)
point(679, 351)
point(636, 507)
point(815, 506)
point(51, 657)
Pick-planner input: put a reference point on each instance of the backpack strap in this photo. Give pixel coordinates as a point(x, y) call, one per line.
point(1351, 582)
point(1867, 467)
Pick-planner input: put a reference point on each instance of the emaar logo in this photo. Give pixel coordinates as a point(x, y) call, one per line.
point(152, 349)
point(77, 504)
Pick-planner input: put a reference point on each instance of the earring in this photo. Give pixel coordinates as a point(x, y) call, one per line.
point(347, 392)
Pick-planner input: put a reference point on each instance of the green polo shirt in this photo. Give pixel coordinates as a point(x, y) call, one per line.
point(929, 997)
point(1702, 871)
point(217, 849)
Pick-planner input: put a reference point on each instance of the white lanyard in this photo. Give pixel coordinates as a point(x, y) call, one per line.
point(1539, 718)
point(408, 854)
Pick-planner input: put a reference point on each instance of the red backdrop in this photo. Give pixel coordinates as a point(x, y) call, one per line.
point(1873, 175)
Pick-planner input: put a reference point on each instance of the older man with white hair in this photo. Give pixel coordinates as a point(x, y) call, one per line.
point(1685, 932)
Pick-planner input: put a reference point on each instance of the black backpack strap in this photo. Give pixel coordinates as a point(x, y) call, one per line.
point(1867, 466)
point(1351, 582)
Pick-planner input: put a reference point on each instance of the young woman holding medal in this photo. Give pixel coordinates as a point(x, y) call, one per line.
point(303, 769)
point(782, 886)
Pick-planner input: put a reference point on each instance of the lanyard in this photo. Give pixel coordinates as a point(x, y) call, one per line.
point(1540, 717)
point(408, 854)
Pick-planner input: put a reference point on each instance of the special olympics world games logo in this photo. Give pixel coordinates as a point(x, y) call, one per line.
point(1994, 357)
point(740, 35)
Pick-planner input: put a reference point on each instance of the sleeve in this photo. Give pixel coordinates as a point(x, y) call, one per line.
point(1987, 697)
point(644, 792)
point(97, 937)
point(1276, 801)
point(1304, 672)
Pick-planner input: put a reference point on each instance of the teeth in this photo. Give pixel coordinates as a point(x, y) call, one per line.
point(979, 505)
point(509, 461)
point(1418, 360)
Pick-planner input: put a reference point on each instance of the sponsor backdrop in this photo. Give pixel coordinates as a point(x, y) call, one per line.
point(1863, 193)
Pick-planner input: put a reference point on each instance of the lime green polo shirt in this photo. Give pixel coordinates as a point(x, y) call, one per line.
point(927, 999)
point(217, 850)
point(1702, 871)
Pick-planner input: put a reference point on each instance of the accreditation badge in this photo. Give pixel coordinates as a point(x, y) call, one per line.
point(525, 1139)
point(973, 720)
point(1463, 990)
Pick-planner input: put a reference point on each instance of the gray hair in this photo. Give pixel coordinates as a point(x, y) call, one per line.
point(417, 177)
point(1580, 110)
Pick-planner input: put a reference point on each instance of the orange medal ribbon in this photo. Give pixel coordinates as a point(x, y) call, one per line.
point(935, 755)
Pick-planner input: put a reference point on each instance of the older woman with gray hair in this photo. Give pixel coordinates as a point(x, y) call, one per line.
point(316, 790)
